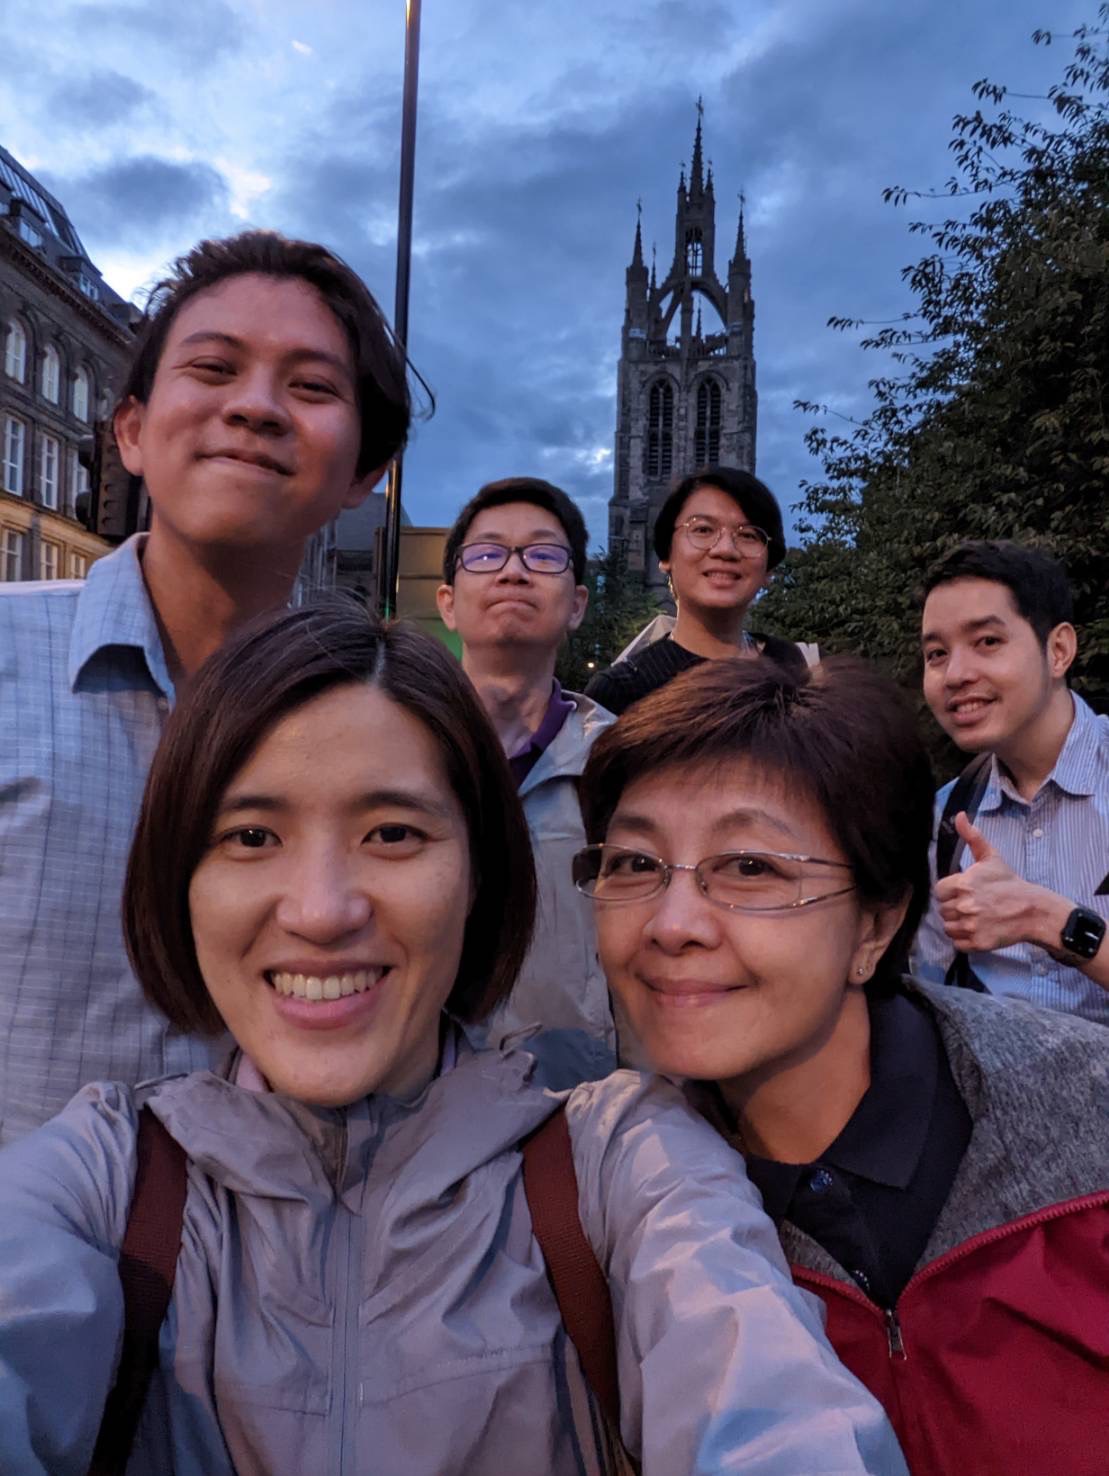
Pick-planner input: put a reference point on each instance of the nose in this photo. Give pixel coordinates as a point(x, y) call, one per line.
point(254, 400)
point(959, 667)
point(323, 901)
point(515, 570)
point(683, 917)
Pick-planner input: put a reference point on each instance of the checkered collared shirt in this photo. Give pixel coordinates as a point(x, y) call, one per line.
point(84, 691)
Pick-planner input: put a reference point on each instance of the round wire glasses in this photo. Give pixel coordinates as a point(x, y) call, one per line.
point(742, 881)
point(704, 533)
point(537, 558)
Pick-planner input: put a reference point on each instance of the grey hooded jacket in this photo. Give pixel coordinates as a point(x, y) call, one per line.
point(359, 1292)
point(562, 985)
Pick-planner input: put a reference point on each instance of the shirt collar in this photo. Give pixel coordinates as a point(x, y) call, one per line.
point(114, 610)
point(1076, 768)
point(887, 1132)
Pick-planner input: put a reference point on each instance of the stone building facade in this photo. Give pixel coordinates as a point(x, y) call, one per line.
point(64, 339)
point(686, 379)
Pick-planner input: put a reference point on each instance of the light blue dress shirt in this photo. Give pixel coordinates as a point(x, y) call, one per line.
point(84, 692)
point(1059, 840)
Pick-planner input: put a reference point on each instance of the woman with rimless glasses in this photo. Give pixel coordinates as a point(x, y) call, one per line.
point(717, 537)
point(937, 1162)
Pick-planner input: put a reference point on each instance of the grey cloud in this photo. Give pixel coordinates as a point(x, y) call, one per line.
point(193, 31)
point(142, 197)
point(97, 99)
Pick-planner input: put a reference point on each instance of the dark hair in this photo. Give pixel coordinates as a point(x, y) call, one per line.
point(821, 731)
point(380, 363)
point(271, 668)
point(1037, 582)
point(758, 503)
point(520, 489)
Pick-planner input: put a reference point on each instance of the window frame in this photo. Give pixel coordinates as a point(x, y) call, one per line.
point(5, 461)
point(13, 546)
point(82, 380)
point(16, 333)
point(46, 442)
point(48, 546)
point(50, 378)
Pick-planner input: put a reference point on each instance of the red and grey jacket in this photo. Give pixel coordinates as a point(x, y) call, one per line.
point(995, 1359)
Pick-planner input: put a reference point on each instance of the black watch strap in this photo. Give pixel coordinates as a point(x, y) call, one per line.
point(1082, 934)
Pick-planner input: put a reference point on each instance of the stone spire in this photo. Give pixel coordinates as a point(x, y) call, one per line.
point(696, 173)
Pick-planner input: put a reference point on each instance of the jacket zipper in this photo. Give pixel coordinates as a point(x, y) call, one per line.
point(891, 1315)
point(346, 1310)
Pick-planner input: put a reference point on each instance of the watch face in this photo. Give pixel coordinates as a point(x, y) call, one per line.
point(1083, 933)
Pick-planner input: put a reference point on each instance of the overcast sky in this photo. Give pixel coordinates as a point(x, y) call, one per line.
point(159, 121)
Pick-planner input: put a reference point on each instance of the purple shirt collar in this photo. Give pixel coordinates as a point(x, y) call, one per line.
point(524, 759)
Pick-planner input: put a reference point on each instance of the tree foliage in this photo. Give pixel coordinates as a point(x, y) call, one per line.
point(993, 418)
point(618, 608)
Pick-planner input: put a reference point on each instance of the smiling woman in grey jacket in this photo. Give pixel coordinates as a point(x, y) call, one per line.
point(331, 862)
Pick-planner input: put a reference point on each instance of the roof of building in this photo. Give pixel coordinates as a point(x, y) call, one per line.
point(29, 210)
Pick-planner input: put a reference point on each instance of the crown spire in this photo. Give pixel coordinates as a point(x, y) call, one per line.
point(696, 173)
point(637, 253)
point(741, 233)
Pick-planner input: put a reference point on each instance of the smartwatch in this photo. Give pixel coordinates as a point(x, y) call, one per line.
point(1082, 934)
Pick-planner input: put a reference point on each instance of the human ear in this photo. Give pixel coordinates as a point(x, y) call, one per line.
point(580, 605)
point(1062, 647)
point(127, 429)
point(361, 487)
point(877, 927)
point(444, 599)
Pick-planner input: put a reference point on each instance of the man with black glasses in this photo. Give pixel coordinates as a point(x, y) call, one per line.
point(717, 536)
point(513, 568)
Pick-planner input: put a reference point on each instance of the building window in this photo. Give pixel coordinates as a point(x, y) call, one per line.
point(51, 375)
point(660, 429)
point(15, 441)
point(78, 565)
point(706, 448)
point(48, 559)
point(81, 395)
point(11, 554)
point(78, 482)
point(29, 232)
point(48, 471)
point(694, 253)
point(15, 351)
point(89, 287)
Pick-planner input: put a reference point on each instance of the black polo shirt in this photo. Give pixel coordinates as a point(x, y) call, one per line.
point(873, 1197)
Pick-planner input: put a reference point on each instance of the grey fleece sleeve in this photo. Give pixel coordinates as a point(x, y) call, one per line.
point(65, 1191)
point(723, 1362)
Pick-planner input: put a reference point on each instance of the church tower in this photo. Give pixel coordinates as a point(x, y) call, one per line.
point(686, 379)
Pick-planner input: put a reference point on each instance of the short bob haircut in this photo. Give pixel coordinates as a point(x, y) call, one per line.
point(1036, 581)
point(272, 667)
point(839, 733)
point(754, 498)
point(381, 366)
point(542, 494)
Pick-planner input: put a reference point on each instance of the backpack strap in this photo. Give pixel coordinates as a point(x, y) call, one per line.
point(966, 794)
point(147, 1263)
point(580, 1288)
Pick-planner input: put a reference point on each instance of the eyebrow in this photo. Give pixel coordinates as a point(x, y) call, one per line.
point(969, 627)
point(323, 356)
point(373, 799)
point(537, 535)
point(648, 826)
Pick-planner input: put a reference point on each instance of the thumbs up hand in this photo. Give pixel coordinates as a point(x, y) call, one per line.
point(988, 905)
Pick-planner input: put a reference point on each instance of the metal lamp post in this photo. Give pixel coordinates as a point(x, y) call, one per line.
point(391, 570)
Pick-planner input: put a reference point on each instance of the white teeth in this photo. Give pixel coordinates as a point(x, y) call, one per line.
point(330, 986)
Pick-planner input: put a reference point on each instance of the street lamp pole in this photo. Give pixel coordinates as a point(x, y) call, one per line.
point(391, 570)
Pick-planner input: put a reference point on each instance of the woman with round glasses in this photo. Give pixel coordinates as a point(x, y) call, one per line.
point(717, 536)
point(937, 1162)
point(331, 862)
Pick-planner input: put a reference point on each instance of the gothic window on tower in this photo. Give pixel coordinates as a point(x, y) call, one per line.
point(694, 252)
point(706, 450)
point(660, 429)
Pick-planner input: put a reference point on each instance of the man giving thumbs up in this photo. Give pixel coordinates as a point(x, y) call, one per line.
point(1030, 903)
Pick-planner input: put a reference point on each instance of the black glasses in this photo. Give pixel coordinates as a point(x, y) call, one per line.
point(705, 533)
point(742, 881)
point(490, 558)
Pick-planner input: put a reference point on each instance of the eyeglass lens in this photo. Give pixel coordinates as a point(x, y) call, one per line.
point(539, 558)
point(705, 532)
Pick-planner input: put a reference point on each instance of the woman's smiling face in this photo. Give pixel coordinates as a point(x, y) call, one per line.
point(329, 910)
point(716, 994)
